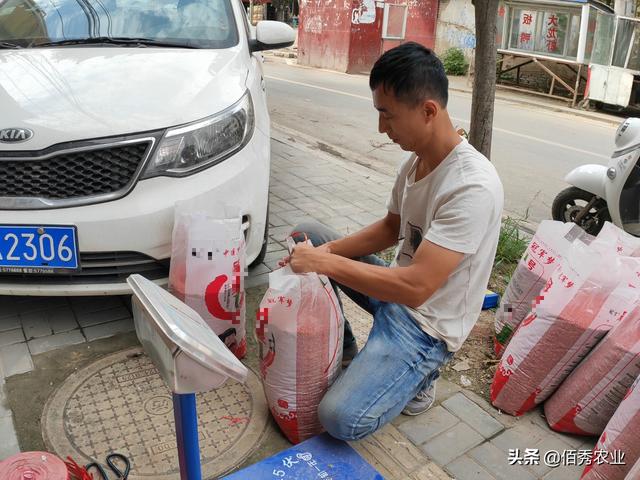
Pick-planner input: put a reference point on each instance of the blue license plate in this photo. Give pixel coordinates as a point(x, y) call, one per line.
point(38, 249)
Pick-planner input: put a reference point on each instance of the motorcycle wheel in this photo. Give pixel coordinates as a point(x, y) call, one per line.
point(570, 201)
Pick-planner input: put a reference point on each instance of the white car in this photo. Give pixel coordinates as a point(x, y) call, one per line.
point(111, 111)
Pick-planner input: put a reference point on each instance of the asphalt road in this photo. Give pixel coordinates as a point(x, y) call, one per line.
point(533, 148)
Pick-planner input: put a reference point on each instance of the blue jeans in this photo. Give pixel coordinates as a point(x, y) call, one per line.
point(398, 361)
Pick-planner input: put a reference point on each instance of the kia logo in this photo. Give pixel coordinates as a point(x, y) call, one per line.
point(15, 135)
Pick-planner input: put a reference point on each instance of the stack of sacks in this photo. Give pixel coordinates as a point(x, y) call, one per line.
point(583, 299)
point(547, 247)
point(588, 398)
point(619, 439)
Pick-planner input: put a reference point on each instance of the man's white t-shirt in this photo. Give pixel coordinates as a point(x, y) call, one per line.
point(457, 206)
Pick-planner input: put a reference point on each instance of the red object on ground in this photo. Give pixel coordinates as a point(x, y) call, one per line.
point(76, 472)
point(33, 466)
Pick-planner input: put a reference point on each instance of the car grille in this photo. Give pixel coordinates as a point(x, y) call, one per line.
point(75, 174)
point(105, 267)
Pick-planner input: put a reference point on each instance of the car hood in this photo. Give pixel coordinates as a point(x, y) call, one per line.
point(74, 93)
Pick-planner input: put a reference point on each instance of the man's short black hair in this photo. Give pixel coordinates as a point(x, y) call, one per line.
point(413, 73)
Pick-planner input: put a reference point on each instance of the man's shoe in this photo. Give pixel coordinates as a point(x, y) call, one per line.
point(422, 402)
point(348, 354)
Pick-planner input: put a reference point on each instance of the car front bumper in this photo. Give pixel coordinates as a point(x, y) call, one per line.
point(142, 221)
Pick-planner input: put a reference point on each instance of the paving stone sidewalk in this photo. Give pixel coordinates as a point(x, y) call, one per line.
point(470, 439)
point(463, 435)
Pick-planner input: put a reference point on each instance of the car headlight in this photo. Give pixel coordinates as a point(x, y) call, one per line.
point(190, 148)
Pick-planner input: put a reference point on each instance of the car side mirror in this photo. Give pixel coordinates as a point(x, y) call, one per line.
point(270, 35)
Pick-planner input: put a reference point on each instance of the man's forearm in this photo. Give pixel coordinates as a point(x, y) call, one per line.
point(372, 239)
point(383, 283)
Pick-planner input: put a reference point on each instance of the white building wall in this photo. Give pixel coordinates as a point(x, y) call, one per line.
point(456, 27)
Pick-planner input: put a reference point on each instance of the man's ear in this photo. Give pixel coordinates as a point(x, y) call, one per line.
point(430, 109)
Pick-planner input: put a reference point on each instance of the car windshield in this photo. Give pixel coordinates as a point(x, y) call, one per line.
point(180, 23)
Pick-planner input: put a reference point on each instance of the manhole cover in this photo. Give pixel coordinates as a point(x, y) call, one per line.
point(120, 404)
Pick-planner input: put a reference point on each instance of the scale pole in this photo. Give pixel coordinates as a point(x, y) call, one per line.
point(186, 417)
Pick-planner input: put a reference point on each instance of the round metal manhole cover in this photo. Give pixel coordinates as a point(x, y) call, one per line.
point(120, 404)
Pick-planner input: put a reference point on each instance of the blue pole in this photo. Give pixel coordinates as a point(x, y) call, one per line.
point(186, 417)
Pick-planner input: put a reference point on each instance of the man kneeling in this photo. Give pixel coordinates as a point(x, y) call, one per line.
point(445, 211)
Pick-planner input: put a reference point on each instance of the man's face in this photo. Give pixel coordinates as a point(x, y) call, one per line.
point(408, 126)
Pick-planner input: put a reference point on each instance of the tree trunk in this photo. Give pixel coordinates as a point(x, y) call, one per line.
point(484, 81)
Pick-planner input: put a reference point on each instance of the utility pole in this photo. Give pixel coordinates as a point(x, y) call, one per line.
point(251, 12)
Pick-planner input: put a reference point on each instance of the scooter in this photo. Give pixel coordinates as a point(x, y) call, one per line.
point(599, 194)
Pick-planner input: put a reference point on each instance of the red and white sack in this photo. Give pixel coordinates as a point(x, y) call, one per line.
point(548, 245)
point(621, 435)
point(300, 329)
point(571, 317)
point(588, 398)
point(208, 264)
point(624, 243)
point(634, 473)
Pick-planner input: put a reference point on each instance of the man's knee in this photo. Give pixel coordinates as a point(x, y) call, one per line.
point(316, 232)
point(307, 228)
point(342, 421)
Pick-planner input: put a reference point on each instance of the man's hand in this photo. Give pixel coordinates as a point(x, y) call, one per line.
point(325, 248)
point(306, 258)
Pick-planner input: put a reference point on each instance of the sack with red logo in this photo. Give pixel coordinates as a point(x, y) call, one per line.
point(618, 447)
point(588, 398)
point(548, 245)
point(208, 264)
point(300, 329)
point(576, 310)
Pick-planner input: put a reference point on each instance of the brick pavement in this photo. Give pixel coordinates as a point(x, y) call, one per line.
point(463, 435)
point(470, 439)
